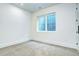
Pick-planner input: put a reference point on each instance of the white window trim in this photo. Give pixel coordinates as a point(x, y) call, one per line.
point(45, 24)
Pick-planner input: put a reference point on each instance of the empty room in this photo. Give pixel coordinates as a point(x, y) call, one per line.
point(39, 29)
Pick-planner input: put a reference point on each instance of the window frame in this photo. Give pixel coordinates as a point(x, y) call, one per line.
point(45, 22)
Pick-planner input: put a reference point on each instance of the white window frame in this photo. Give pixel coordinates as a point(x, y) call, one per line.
point(45, 23)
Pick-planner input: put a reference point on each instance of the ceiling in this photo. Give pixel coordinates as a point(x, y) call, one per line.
point(32, 7)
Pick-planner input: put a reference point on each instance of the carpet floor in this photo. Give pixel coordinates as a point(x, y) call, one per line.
point(32, 48)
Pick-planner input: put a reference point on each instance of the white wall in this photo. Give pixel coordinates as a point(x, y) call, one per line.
point(78, 24)
point(15, 25)
point(65, 34)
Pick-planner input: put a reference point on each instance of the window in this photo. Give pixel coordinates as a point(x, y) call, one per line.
point(41, 23)
point(47, 22)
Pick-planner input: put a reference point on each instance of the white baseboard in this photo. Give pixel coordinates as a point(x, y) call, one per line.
point(76, 48)
point(6, 44)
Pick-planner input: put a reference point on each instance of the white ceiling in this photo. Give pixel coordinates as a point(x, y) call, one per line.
point(32, 7)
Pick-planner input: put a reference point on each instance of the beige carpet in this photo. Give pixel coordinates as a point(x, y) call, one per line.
point(32, 48)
